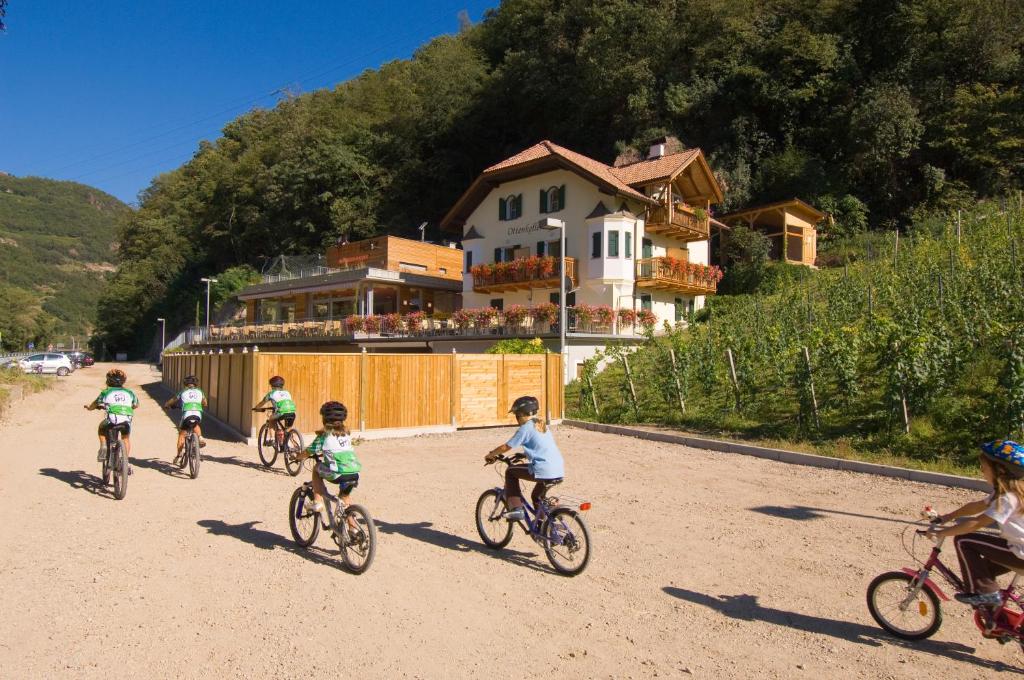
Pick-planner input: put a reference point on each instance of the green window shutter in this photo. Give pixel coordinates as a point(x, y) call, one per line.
point(629, 245)
point(540, 248)
point(497, 254)
point(595, 241)
point(501, 209)
point(613, 244)
point(543, 201)
point(519, 205)
point(561, 197)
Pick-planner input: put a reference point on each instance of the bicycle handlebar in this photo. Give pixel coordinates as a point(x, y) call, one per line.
point(508, 460)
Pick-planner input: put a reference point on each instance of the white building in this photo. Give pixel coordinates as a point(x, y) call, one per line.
point(637, 235)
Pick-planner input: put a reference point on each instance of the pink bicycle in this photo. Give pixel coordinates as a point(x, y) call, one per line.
point(908, 603)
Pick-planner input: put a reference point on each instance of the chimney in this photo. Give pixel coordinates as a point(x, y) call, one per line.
point(657, 150)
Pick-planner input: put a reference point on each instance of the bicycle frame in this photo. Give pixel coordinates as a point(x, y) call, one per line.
point(922, 578)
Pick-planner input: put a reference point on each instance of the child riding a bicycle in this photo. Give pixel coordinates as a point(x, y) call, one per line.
point(120, 404)
point(984, 556)
point(283, 414)
point(545, 464)
point(191, 400)
point(337, 459)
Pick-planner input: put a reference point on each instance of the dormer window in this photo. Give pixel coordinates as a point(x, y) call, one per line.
point(511, 207)
point(552, 199)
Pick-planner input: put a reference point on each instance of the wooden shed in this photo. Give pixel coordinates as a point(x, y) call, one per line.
point(791, 225)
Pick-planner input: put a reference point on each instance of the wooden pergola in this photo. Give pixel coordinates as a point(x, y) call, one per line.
point(791, 225)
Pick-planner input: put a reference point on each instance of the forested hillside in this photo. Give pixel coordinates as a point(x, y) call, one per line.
point(873, 110)
point(56, 252)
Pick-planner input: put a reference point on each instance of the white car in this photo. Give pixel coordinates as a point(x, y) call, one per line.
point(47, 363)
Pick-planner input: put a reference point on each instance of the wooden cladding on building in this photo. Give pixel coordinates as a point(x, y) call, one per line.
point(381, 391)
point(399, 255)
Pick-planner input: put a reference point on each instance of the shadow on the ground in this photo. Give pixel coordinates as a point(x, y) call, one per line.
point(79, 479)
point(211, 430)
point(745, 607)
point(247, 464)
point(803, 513)
point(161, 466)
point(425, 532)
point(268, 540)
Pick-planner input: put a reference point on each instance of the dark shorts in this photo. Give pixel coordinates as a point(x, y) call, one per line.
point(189, 423)
point(345, 483)
point(286, 419)
point(104, 428)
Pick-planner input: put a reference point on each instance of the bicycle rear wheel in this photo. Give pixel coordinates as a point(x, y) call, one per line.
point(495, 531)
point(566, 541)
point(266, 444)
point(293, 446)
point(360, 544)
point(192, 447)
point(900, 611)
point(304, 523)
point(120, 470)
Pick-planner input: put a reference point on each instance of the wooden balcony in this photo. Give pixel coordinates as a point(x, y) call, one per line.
point(678, 222)
point(518, 275)
point(677, 276)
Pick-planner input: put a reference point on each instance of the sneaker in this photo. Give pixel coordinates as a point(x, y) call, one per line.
point(516, 515)
point(202, 443)
point(102, 455)
point(980, 599)
point(314, 506)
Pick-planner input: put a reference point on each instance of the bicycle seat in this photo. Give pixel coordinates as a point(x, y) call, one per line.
point(120, 427)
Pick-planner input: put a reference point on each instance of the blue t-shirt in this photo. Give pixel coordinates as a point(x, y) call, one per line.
point(545, 458)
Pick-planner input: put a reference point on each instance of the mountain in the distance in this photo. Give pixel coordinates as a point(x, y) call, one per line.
point(57, 247)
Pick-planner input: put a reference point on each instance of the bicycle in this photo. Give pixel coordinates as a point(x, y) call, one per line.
point(351, 526)
point(556, 524)
point(116, 462)
point(291, 445)
point(907, 603)
point(191, 453)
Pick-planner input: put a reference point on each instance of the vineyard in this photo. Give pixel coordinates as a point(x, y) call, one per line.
point(910, 349)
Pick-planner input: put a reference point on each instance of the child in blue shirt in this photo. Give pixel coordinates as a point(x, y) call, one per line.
point(545, 463)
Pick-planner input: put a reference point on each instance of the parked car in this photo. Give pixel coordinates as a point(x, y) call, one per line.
point(47, 363)
point(80, 359)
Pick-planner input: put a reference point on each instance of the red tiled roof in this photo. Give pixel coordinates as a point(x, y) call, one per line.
point(655, 169)
point(589, 165)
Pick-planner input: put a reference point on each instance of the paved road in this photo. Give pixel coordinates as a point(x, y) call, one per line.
point(706, 565)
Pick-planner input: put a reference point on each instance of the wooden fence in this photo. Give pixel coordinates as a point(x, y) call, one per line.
point(381, 391)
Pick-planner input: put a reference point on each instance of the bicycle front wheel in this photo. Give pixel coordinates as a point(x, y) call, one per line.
point(495, 531)
point(360, 544)
point(566, 541)
point(293, 447)
point(192, 444)
point(304, 522)
point(266, 444)
point(120, 471)
point(898, 609)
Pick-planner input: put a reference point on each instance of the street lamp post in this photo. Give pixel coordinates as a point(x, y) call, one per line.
point(552, 223)
point(163, 335)
point(208, 281)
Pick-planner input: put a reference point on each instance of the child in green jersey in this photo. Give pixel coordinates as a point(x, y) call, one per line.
point(120, 404)
point(191, 401)
point(338, 462)
point(283, 415)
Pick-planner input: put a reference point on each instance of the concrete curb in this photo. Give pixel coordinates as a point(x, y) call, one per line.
point(783, 456)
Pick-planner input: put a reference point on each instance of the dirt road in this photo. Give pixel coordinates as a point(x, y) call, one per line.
point(705, 565)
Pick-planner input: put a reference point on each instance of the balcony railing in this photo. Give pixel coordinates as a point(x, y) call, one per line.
point(679, 222)
point(680, 276)
point(534, 272)
point(474, 324)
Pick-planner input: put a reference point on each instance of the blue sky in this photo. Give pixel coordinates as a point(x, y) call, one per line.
point(112, 93)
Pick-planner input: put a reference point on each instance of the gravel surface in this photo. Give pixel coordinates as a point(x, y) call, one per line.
point(705, 564)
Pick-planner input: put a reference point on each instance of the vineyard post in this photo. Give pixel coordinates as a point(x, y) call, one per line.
point(958, 227)
point(593, 394)
point(675, 375)
point(810, 380)
point(632, 388)
point(952, 265)
point(896, 250)
point(732, 376)
point(871, 309)
point(906, 413)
